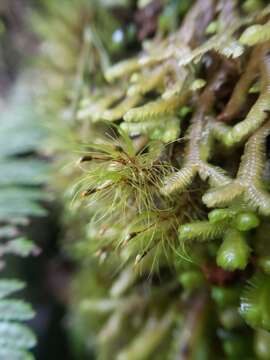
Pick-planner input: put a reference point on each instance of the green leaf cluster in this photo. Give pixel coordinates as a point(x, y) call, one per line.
point(22, 174)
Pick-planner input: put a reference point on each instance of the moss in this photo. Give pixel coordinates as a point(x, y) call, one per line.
point(160, 177)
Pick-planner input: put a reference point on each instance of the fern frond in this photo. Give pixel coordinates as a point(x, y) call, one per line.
point(10, 286)
point(20, 247)
point(32, 172)
point(16, 336)
point(20, 207)
point(17, 310)
point(15, 354)
point(19, 197)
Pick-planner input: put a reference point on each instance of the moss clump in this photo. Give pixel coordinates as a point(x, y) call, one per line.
point(173, 176)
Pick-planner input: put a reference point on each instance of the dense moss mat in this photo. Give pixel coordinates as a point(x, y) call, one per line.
point(161, 163)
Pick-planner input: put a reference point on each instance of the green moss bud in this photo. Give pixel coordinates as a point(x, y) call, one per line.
point(219, 214)
point(184, 111)
point(228, 139)
point(225, 296)
point(234, 252)
point(253, 35)
point(246, 221)
point(212, 28)
point(197, 84)
point(191, 279)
